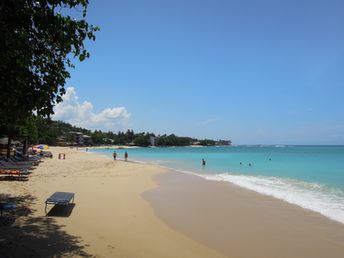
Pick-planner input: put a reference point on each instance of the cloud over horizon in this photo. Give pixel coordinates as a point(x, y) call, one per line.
point(82, 114)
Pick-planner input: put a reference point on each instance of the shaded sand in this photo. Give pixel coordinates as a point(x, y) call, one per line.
point(242, 223)
point(110, 218)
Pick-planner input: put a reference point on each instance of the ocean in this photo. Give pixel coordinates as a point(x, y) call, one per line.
point(309, 176)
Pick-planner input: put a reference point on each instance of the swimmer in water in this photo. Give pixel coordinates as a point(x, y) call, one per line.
point(203, 162)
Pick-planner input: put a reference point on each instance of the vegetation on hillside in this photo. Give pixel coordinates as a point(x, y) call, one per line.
point(50, 131)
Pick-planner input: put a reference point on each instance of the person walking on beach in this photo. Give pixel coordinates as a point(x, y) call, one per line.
point(126, 156)
point(114, 155)
point(203, 162)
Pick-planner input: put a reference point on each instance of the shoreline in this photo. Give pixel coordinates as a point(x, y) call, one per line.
point(242, 223)
point(218, 177)
point(136, 146)
point(299, 224)
point(121, 208)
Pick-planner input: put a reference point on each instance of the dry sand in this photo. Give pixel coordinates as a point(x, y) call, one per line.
point(121, 211)
point(109, 219)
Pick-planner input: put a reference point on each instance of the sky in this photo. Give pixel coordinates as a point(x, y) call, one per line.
point(254, 72)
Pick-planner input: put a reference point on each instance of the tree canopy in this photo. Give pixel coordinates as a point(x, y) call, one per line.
point(38, 44)
point(49, 131)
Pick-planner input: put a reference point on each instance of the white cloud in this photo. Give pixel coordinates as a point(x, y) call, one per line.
point(72, 111)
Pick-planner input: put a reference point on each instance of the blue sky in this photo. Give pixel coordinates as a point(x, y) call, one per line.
point(255, 72)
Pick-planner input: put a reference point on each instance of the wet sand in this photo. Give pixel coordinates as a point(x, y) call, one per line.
point(242, 223)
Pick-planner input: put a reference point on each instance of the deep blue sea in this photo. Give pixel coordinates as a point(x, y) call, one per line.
point(309, 176)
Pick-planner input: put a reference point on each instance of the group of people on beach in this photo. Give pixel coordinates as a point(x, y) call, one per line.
point(114, 154)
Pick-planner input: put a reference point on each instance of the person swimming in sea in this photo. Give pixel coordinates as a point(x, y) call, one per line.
point(203, 162)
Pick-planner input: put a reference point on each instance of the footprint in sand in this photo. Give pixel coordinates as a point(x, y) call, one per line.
point(111, 247)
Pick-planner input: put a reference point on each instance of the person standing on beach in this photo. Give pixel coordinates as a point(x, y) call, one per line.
point(126, 156)
point(114, 155)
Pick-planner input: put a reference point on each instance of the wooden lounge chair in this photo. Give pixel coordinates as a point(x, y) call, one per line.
point(62, 198)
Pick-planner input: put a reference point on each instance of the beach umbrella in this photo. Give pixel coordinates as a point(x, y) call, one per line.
point(38, 146)
point(41, 146)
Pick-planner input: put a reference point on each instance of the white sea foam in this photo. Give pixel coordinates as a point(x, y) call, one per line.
point(312, 196)
point(280, 146)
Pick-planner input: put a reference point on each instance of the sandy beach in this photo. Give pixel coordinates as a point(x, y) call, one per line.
point(110, 218)
point(126, 209)
point(242, 223)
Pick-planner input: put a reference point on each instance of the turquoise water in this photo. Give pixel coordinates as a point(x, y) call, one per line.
point(309, 176)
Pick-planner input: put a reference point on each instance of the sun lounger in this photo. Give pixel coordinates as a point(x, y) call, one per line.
point(14, 172)
point(14, 178)
point(47, 154)
point(7, 206)
point(7, 165)
point(19, 156)
point(10, 172)
point(62, 198)
point(25, 163)
point(16, 175)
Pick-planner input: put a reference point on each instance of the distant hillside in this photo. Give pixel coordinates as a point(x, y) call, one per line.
point(61, 133)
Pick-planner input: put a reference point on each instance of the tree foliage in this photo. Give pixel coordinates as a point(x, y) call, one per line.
point(207, 142)
point(142, 139)
point(173, 140)
point(38, 44)
point(48, 132)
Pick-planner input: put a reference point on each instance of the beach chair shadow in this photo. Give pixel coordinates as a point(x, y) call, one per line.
point(24, 234)
point(7, 210)
point(7, 221)
point(61, 210)
point(14, 178)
